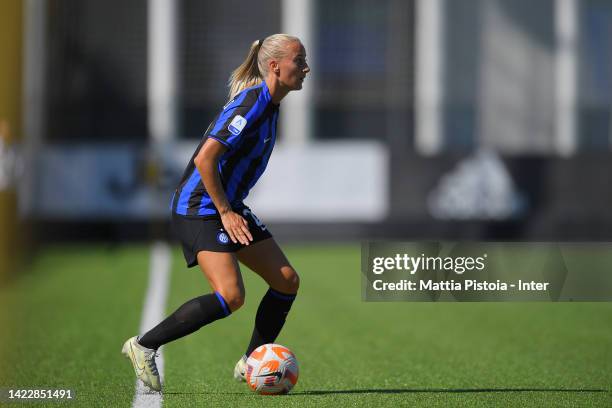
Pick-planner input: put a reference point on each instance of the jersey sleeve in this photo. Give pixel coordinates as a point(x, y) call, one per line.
point(236, 118)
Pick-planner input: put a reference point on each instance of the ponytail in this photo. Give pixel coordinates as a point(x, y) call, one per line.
point(254, 68)
point(247, 74)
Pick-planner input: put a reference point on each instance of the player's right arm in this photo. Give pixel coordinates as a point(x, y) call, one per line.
point(206, 162)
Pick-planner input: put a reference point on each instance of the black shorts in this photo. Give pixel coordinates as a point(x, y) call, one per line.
point(207, 234)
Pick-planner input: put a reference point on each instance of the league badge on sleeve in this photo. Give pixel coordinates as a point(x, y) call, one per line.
point(237, 124)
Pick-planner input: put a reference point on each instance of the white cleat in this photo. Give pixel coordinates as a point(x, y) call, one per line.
point(143, 360)
point(240, 370)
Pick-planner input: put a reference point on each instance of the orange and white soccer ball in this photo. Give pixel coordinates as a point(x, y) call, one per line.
point(271, 369)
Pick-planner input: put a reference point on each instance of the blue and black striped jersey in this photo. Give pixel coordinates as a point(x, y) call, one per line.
point(247, 127)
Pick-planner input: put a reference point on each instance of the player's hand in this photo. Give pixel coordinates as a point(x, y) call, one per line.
point(236, 227)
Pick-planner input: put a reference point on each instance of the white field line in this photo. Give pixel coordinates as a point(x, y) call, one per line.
point(152, 313)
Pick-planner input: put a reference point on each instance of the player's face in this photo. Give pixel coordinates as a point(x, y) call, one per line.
point(293, 67)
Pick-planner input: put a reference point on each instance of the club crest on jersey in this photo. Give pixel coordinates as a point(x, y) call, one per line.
point(222, 238)
point(238, 123)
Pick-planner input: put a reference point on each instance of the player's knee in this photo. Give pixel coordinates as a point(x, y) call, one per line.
point(291, 281)
point(236, 303)
point(234, 298)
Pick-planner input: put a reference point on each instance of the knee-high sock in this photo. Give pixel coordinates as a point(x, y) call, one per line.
point(186, 319)
point(271, 315)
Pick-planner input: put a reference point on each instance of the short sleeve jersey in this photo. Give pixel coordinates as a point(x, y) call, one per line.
point(247, 127)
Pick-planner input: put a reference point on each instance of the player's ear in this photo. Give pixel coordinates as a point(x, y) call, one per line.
point(274, 66)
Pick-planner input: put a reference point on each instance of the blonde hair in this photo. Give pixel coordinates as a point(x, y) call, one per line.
point(254, 68)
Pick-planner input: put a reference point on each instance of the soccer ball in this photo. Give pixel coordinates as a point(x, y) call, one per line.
point(271, 369)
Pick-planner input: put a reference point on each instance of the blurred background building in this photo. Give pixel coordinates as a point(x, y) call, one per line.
point(423, 119)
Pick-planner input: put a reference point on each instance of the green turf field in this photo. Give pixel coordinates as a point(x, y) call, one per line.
point(63, 322)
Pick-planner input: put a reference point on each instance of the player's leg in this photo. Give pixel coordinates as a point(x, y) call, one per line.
point(267, 260)
point(223, 274)
point(222, 271)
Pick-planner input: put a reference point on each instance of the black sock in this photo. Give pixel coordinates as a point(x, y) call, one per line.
point(270, 318)
point(186, 319)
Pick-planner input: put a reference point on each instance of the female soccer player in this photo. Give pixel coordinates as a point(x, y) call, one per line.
point(216, 229)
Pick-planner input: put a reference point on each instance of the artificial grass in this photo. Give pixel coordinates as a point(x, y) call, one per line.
point(371, 354)
point(64, 321)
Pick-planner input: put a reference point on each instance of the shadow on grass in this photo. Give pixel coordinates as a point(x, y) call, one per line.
point(441, 390)
point(406, 391)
